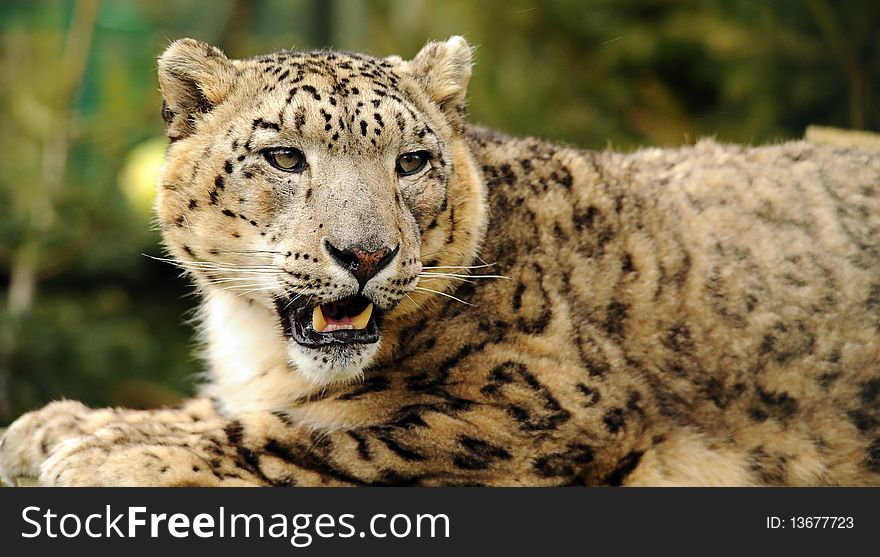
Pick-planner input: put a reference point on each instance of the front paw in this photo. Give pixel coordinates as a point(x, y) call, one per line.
point(140, 455)
point(32, 437)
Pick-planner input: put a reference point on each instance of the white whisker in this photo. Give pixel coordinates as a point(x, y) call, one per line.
point(424, 279)
point(444, 294)
point(214, 266)
point(250, 287)
point(251, 251)
point(463, 276)
point(459, 266)
point(243, 281)
point(242, 268)
point(246, 292)
point(233, 279)
point(288, 304)
point(413, 301)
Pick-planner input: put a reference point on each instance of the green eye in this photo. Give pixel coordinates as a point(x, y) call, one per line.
point(286, 159)
point(410, 163)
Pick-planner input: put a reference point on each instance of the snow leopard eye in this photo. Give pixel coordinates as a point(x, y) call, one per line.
point(286, 159)
point(411, 163)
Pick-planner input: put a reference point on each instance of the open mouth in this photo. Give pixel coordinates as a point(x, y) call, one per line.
point(351, 320)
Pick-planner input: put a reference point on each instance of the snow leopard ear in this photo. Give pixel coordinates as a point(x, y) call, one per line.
point(194, 77)
point(444, 70)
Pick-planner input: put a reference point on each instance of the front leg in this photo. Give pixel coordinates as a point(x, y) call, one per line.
point(151, 453)
point(32, 438)
point(433, 448)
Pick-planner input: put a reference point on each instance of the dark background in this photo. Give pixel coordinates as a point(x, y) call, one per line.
point(501, 521)
point(84, 314)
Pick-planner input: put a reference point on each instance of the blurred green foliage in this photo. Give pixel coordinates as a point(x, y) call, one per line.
point(84, 314)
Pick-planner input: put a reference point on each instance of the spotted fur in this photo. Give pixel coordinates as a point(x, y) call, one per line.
point(708, 315)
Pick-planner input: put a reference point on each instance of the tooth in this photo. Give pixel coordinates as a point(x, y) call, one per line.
point(318, 321)
point(361, 320)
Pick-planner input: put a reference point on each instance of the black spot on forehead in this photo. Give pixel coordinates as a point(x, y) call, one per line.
point(312, 91)
point(342, 100)
point(339, 68)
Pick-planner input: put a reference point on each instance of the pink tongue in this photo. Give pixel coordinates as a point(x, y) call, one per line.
point(337, 309)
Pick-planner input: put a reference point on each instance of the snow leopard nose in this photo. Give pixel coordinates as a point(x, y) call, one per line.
point(363, 264)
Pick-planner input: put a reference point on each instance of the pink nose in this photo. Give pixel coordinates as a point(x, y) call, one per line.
point(361, 263)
